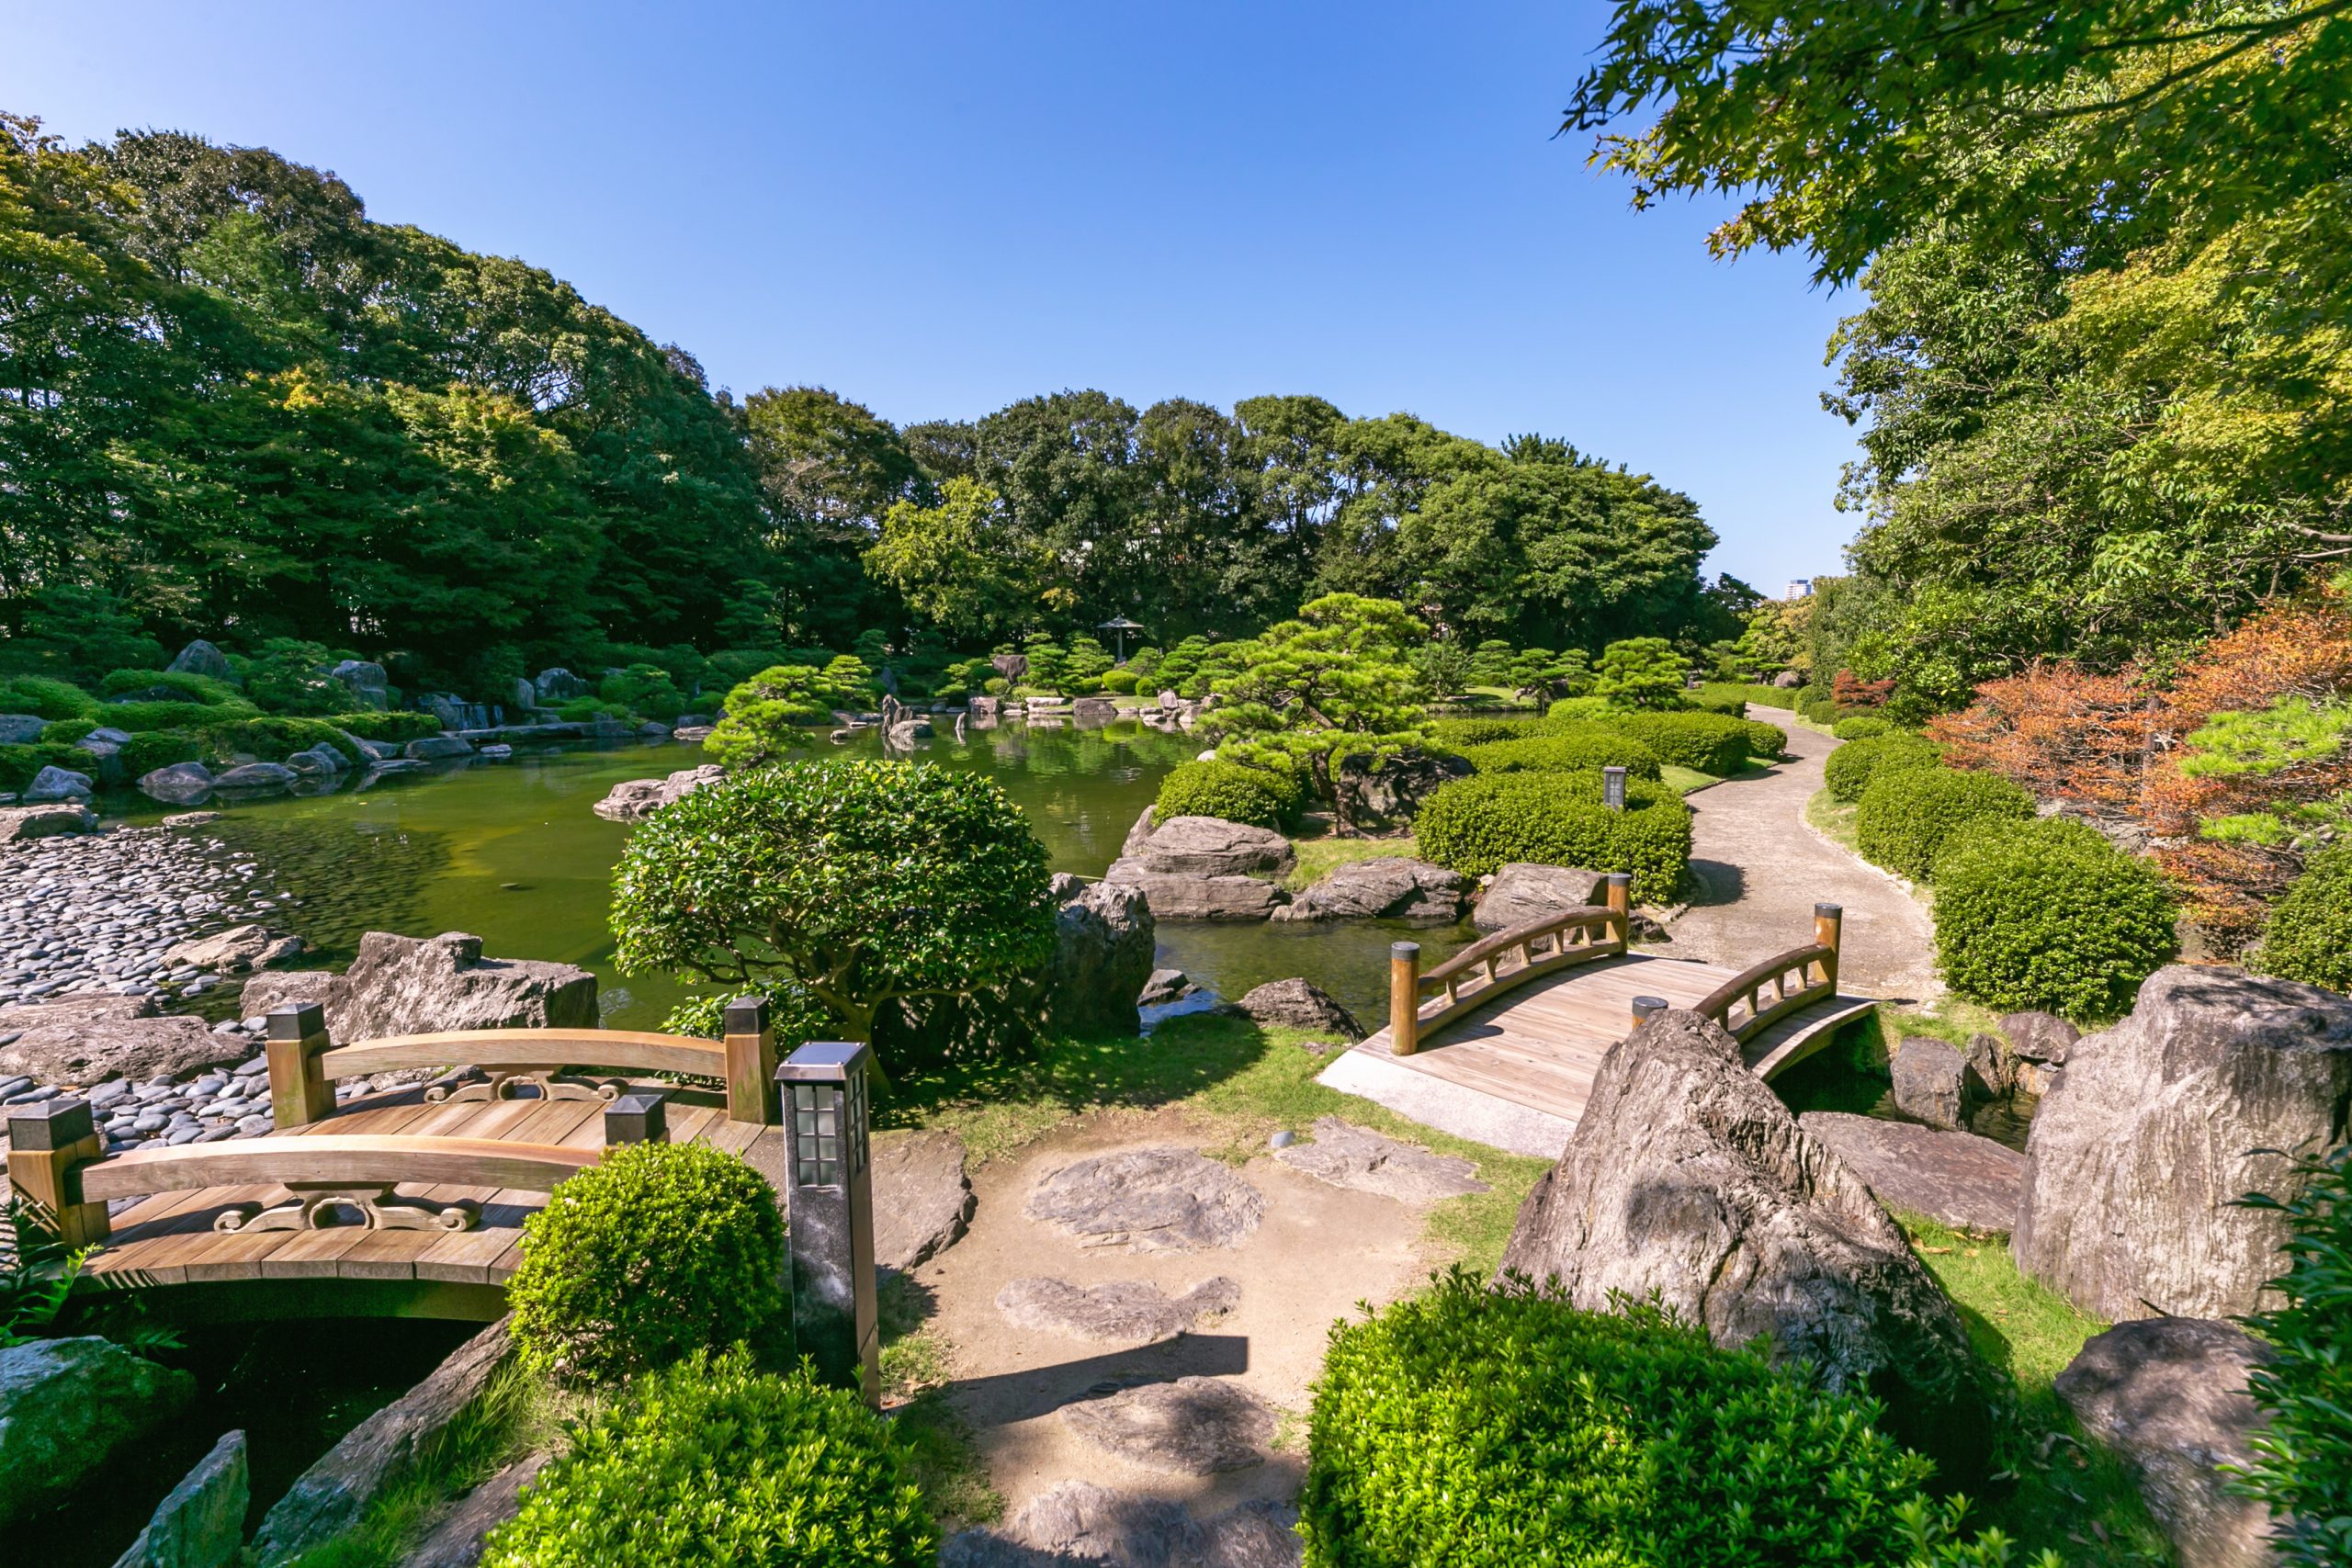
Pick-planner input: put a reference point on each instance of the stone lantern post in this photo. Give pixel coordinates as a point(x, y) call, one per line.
point(829, 1185)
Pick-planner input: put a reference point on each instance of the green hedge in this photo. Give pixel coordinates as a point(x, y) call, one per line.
point(1729, 703)
point(661, 1250)
point(2309, 934)
point(1458, 734)
point(137, 718)
point(1910, 814)
point(1765, 740)
point(1743, 692)
point(1862, 726)
point(1708, 742)
point(1586, 748)
point(1493, 1427)
point(20, 764)
point(392, 729)
point(1847, 773)
point(1478, 824)
point(202, 690)
point(273, 740)
point(1238, 794)
point(158, 749)
point(66, 731)
point(2048, 914)
point(714, 1463)
point(44, 699)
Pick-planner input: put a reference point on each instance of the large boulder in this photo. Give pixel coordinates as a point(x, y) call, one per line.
point(1522, 893)
point(327, 1498)
point(436, 749)
point(402, 985)
point(201, 1524)
point(2169, 1394)
point(257, 778)
point(1296, 1003)
point(200, 657)
point(557, 687)
point(1930, 1080)
point(180, 784)
point(21, 728)
point(1104, 941)
point(2039, 1044)
point(1687, 1177)
point(72, 1410)
point(1210, 846)
point(368, 687)
point(1389, 887)
point(45, 821)
point(1384, 793)
point(923, 1200)
point(236, 950)
point(57, 784)
point(89, 1037)
point(1954, 1179)
point(2156, 1127)
point(1187, 897)
point(633, 800)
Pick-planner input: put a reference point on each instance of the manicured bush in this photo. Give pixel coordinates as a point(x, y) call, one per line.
point(20, 764)
point(183, 686)
point(1708, 742)
point(66, 731)
point(137, 718)
point(1577, 710)
point(1849, 768)
point(712, 1461)
point(1490, 1427)
point(1476, 824)
point(2303, 1464)
point(661, 1250)
point(1238, 794)
point(1910, 814)
point(45, 698)
point(1710, 695)
point(158, 749)
point(587, 710)
point(2309, 934)
point(1703, 699)
point(2047, 914)
point(1765, 741)
point(392, 729)
point(273, 740)
point(1586, 748)
point(1119, 682)
point(646, 690)
point(1862, 726)
point(1454, 734)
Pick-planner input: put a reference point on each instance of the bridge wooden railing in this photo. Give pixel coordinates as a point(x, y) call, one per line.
point(1761, 995)
point(558, 1063)
point(1494, 964)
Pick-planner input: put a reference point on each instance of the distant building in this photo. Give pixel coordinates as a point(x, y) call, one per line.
point(1799, 588)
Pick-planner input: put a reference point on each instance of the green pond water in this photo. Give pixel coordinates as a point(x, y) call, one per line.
point(511, 852)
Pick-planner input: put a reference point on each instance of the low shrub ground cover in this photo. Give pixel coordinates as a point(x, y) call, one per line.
point(1712, 743)
point(20, 764)
point(1582, 749)
point(658, 1250)
point(1849, 768)
point(1908, 814)
point(393, 728)
point(1715, 696)
point(1233, 791)
point(714, 1461)
point(1478, 824)
point(1454, 734)
point(272, 739)
point(2048, 914)
point(44, 699)
point(171, 685)
point(1862, 726)
point(139, 717)
point(1474, 1425)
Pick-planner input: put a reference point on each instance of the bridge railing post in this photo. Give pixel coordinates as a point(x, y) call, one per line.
point(1621, 904)
point(1828, 926)
point(1404, 997)
point(751, 1062)
point(298, 1091)
point(1646, 1009)
point(638, 1117)
point(46, 1141)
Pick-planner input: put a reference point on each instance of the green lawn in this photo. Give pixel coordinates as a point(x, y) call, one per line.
point(1833, 818)
point(1318, 856)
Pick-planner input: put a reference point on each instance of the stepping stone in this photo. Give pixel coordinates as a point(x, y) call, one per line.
point(1191, 1427)
point(1163, 1199)
point(1954, 1179)
point(1345, 1154)
point(1080, 1523)
point(1124, 1312)
point(923, 1200)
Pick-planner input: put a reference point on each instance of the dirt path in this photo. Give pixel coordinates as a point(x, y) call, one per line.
point(1762, 869)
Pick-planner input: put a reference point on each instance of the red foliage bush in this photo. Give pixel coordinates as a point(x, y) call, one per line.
point(2060, 730)
point(1854, 693)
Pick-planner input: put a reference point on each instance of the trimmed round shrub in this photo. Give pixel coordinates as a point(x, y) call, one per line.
point(392, 729)
point(158, 749)
point(274, 739)
point(1730, 702)
point(1231, 790)
point(2049, 915)
point(1119, 682)
point(661, 1250)
point(1487, 821)
point(1910, 814)
point(152, 686)
point(1584, 750)
point(712, 1461)
point(66, 731)
point(1862, 726)
point(2309, 934)
point(1456, 734)
point(137, 718)
point(1847, 773)
point(1766, 739)
point(1707, 742)
point(1489, 1427)
point(20, 764)
point(44, 699)
point(1577, 710)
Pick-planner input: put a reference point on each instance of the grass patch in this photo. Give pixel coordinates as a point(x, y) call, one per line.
point(1682, 780)
point(1318, 856)
point(1833, 819)
point(937, 1442)
point(2056, 1489)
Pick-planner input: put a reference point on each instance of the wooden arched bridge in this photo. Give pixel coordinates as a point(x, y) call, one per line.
point(409, 1202)
point(1506, 1050)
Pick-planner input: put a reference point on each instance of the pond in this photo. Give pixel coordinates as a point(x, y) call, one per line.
point(512, 852)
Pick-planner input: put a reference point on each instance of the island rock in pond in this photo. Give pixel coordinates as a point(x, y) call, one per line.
point(400, 985)
point(634, 799)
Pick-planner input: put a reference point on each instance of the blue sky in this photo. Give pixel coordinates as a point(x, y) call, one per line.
point(938, 208)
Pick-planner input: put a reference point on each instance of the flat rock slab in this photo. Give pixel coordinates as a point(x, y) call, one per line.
point(921, 1199)
point(89, 1037)
point(1345, 1154)
point(1954, 1179)
point(1080, 1523)
point(1124, 1312)
point(1522, 893)
point(1395, 886)
point(1160, 1200)
point(1191, 1427)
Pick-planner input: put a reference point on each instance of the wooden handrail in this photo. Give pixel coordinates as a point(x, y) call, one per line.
point(627, 1050)
point(352, 1159)
point(1475, 956)
point(1816, 971)
point(1483, 970)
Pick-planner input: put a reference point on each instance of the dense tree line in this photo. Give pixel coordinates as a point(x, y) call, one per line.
point(232, 406)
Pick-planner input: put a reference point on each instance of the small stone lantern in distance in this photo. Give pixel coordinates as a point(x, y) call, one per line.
point(829, 1180)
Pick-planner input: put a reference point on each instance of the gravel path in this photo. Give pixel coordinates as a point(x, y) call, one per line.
point(1762, 869)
